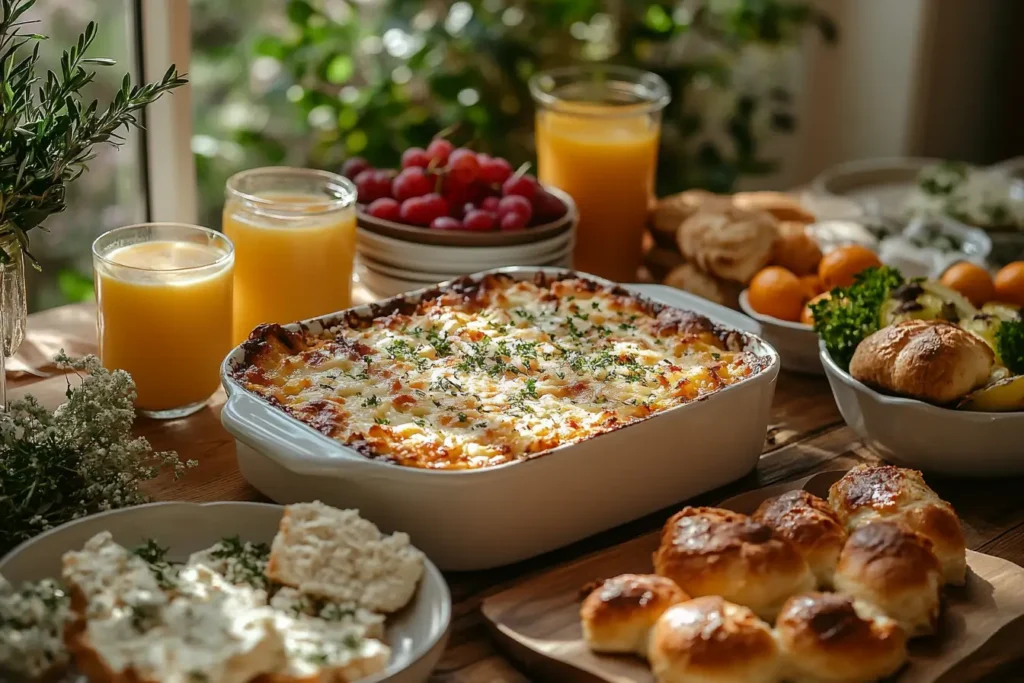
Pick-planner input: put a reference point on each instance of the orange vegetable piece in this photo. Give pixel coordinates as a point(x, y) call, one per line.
point(971, 280)
point(807, 315)
point(777, 292)
point(812, 284)
point(839, 267)
point(1009, 284)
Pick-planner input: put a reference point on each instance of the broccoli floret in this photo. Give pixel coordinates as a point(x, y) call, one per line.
point(1010, 344)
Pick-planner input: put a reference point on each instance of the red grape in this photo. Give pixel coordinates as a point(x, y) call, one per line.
point(479, 220)
point(516, 204)
point(371, 185)
point(354, 166)
point(490, 204)
point(423, 210)
point(547, 207)
point(524, 186)
point(456, 190)
point(439, 149)
point(411, 182)
point(385, 208)
point(462, 163)
point(513, 221)
point(446, 223)
point(494, 170)
point(415, 156)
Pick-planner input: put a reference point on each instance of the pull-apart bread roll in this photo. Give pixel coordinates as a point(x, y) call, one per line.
point(708, 551)
point(811, 526)
point(830, 638)
point(930, 360)
point(337, 554)
point(782, 206)
point(710, 640)
point(893, 568)
point(669, 213)
point(868, 493)
point(618, 615)
point(729, 243)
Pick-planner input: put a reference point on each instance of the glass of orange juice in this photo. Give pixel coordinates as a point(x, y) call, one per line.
point(597, 132)
point(294, 231)
point(164, 311)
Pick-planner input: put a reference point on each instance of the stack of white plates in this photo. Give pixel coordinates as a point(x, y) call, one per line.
point(393, 258)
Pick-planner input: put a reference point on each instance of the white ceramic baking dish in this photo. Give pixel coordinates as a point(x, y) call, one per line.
point(477, 519)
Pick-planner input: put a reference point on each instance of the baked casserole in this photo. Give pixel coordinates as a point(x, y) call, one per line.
point(493, 370)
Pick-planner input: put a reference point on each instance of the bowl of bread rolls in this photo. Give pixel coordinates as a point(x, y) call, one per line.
point(930, 373)
point(804, 589)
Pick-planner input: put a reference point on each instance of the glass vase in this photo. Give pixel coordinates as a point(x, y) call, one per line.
point(13, 305)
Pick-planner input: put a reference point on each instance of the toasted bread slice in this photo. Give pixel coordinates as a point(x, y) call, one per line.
point(338, 555)
point(103, 576)
point(323, 652)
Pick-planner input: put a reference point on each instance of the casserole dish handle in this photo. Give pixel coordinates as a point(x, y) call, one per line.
point(292, 445)
point(687, 301)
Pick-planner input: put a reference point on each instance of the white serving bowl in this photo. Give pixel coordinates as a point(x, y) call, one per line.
point(796, 343)
point(916, 434)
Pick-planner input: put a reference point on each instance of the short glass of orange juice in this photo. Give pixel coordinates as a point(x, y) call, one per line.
point(597, 132)
point(164, 312)
point(294, 231)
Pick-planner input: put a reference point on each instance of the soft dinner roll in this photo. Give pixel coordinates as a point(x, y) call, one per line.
point(829, 637)
point(708, 551)
point(782, 206)
point(868, 493)
point(894, 569)
point(618, 615)
point(809, 524)
point(710, 640)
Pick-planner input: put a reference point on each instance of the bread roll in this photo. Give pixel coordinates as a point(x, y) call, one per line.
point(869, 493)
point(710, 640)
point(695, 281)
point(829, 637)
point(708, 551)
point(782, 206)
point(893, 568)
point(931, 360)
point(661, 260)
point(618, 615)
point(795, 249)
point(811, 526)
point(731, 244)
point(669, 212)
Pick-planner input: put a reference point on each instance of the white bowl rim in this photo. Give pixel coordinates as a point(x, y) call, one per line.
point(429, 568)
point(921, 406)
point(771, 320)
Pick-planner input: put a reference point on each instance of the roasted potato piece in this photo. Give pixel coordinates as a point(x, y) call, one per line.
point(1006, 395)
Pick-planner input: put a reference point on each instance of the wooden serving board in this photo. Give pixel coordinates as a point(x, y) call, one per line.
point(537, 622)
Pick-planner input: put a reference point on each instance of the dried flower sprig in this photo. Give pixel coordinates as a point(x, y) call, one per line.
point(78, 460)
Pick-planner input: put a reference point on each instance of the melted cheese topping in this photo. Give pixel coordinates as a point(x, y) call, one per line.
point(492, 373)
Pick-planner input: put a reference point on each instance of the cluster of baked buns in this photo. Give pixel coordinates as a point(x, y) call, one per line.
point(846, 582)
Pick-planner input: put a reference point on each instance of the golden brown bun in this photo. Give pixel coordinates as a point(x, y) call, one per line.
point(709, 640)
point(731, 244)
point(869, 493)
point(795, 249)
point(708, 551)
point(618, 615)
point(930, 360)
point(661, 260)
point(692, 279)
point(893, 568)
point(782, 206)
point(829, 637)
point(811, 526)
point(669, 213)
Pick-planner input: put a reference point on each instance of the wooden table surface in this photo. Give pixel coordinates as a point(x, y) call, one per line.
point(807, 435)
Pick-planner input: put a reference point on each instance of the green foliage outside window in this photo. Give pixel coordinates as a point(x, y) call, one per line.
point(333, 78)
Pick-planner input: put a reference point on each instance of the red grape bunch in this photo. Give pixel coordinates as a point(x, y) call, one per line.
point(447, 188)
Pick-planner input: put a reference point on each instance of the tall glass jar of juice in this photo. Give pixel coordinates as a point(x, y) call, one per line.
point(294, 231)
point(597, 134)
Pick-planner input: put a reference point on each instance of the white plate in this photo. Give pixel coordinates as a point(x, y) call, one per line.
point(417, 635)
point(796, 342)
point(916, 434)
point(447, 273)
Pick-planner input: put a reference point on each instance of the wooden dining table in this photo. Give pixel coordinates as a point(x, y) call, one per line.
point(806, 435)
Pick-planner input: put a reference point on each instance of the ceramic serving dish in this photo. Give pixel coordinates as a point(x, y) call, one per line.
point(796, 342)
point(475, 519)
point(916, 434)
point(417, 635)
